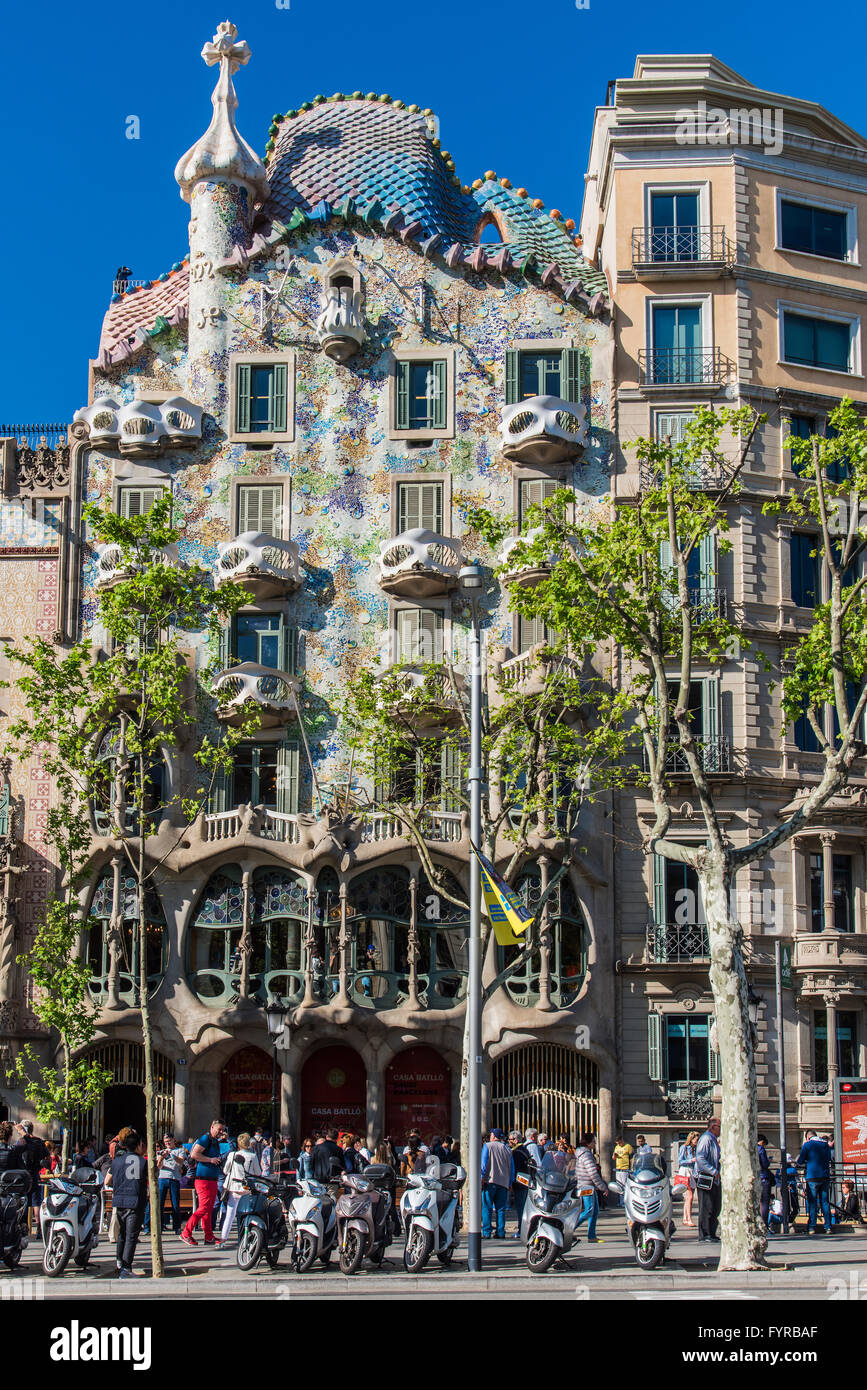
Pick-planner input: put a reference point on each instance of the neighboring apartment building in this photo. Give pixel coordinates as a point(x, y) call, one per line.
point(730, 225)
point(356, 350)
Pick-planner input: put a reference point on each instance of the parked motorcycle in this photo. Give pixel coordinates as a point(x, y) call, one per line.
point(647, 1194)
point(550, 1220)
point(313, 1225)
point(70, 1217)
point(429, 1214)
point(262, 1228)
point(364, 1216)
point(15, 1185)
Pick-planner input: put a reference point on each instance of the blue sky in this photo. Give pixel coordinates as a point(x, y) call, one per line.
point(514, 86)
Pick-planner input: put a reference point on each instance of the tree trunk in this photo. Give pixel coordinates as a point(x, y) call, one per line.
point(743, 1243)
point(64, 1153)
point(147, 1047)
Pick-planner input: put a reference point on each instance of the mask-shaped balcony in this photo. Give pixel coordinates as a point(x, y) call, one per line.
point(271, 692)
point(525, 574)
point(112, 567)
point(429, 697)
point(141, 429)
point(542, 430)
point(419, 564)
point(340, 327)
point(264, 566)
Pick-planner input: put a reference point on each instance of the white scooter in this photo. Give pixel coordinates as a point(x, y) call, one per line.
point(312, 1219)
point(70, 1217)
point(647, 1199)
point(549, 1224)
point(429, 1214)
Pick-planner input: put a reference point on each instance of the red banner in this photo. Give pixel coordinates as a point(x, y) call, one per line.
point(333, 1092)
point(246, 1078)
point(853, 1127)
point(418, 1095)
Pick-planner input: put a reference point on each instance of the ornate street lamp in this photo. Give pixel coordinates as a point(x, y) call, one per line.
point(471, 580)
point(275, 1018)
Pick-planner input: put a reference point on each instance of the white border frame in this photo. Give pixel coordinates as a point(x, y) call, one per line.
point(701, 301)
point(699, 186)
point(813, 311)
point(786, 195)
point(262, 359)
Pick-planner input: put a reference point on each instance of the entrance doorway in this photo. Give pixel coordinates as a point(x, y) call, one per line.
point(333, 1092)
point(245, 1091)
point(418, 1095)
point(547, 1087)
point(123, 1105)
point(123, 1102)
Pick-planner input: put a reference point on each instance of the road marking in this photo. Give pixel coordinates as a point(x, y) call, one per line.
point(700, 1295)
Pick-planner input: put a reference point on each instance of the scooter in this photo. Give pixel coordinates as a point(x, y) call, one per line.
point(262, 1228)
point(364, 1217)
point(70, 1218)
point(313, 1225)
point(550, 1219)
point(647, 1195)
point(15, 1185)
point(429, 1214)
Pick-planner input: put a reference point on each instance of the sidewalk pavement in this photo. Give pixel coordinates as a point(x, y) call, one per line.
point(804, 1267)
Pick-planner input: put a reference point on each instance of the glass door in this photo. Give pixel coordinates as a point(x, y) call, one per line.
point(674, 226)
point(676, 343)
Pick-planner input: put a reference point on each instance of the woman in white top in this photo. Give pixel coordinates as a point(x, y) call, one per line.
point(237, 1166)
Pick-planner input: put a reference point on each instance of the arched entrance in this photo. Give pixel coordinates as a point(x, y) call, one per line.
point(245, 1091)
point(547, 1087)
point(123, 1103)
point(418, 1094)
point(333, 1091)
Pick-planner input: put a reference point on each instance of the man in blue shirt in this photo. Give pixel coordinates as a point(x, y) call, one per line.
point(206, 1156)
point(707, 1175)
point(815, 1159)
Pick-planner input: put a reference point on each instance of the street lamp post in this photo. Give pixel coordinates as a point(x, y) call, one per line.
point(275, 1017)
point(471, 580)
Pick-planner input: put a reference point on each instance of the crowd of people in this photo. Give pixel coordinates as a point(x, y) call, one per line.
point(217, 1166)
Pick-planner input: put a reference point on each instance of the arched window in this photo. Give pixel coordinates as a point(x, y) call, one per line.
point(213, 955)
point(567, 962)
point(99, 945)
point(489, 232)
point(105, 789)
point(278, 912)
point(379, 910)
point(443, 931)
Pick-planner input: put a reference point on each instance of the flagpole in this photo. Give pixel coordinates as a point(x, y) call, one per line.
point(471, 581)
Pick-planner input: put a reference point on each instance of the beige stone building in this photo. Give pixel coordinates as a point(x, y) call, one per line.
point(729, 223)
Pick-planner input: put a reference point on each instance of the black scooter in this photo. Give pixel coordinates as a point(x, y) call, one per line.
point(15, 1185)
point(262, 1228)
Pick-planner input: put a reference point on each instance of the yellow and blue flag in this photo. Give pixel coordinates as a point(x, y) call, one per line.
point(505, 911)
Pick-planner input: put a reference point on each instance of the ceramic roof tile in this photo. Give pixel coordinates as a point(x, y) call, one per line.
point(133, 318)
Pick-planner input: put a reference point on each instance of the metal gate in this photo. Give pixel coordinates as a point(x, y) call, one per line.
point(125, 1061)
point(547, 1087)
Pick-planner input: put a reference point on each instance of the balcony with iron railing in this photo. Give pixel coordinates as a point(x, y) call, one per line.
point(692, 250)
point(714, 755)
point(263, 565)
point(705, 475)
point(676, 943)
point(690, 1100)
point(682, 367)
point(419, 564)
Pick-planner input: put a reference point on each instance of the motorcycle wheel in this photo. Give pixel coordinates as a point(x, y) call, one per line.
point(649, 1253)
point(250, 1248)
point(541, 1254)
point(419, 1244)
point(12, 1258)
point(352, 1253)
point(445, 1256)
point(57, 1253)
point(306, 1252)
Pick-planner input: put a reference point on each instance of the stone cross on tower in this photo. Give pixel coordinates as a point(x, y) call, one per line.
point(223, 180)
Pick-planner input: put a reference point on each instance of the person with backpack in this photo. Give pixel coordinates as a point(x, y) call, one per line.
point(328, 1162)
point(129, 1196)
point(31, 1154)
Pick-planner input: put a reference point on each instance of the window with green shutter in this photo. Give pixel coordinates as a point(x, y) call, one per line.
point(420, 505)
point(260, 509)
point(421, 395)
point(420, 633)
point(654, 1047)
point(534, 491)
point(261, 397)
point(264, 639)
point(540, 374)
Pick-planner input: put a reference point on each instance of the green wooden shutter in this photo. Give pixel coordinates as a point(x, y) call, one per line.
point(408, 507)
point(431, 506)
point(219, 797)
point(401, 394)
point(534, 490)
point(259, 509)
point(570, 375)
point(242, 398)
point(224, 646)
point(288, 649)
point(654, 1047)
point(714, 1071)
point(451, 776)
point(513, 374)
point(666, 566)
point(439, 404)
point(660, 906)
point(288, 767)
point(710, 723)
point(707, 562)
point(277, 390)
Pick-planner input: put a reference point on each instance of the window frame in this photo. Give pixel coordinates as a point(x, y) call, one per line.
point(809, 311)
point(552, 347)
point(435, 353)
point(787, 195)
point(442, 607)
point(261, 438)
point(440, 480)
point(124, 486)
point(278, 480)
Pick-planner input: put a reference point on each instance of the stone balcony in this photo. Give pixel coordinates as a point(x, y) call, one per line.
point(836, 951)
point(523, 573)
point(272, 693)
point(261, 564)
point(419, 564)
point(340, 326)
point(530, 673)
point(141, 429)
point(543, 430)
point(113, 567)
point(429, 696)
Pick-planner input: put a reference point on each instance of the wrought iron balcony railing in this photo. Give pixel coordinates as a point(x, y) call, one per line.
point(682, 367)
point(704, 476)
point(680, 246)
point(543, 429)
point(676, 943)
point(419, 563)
point(690, 1100)
point(715, 755)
